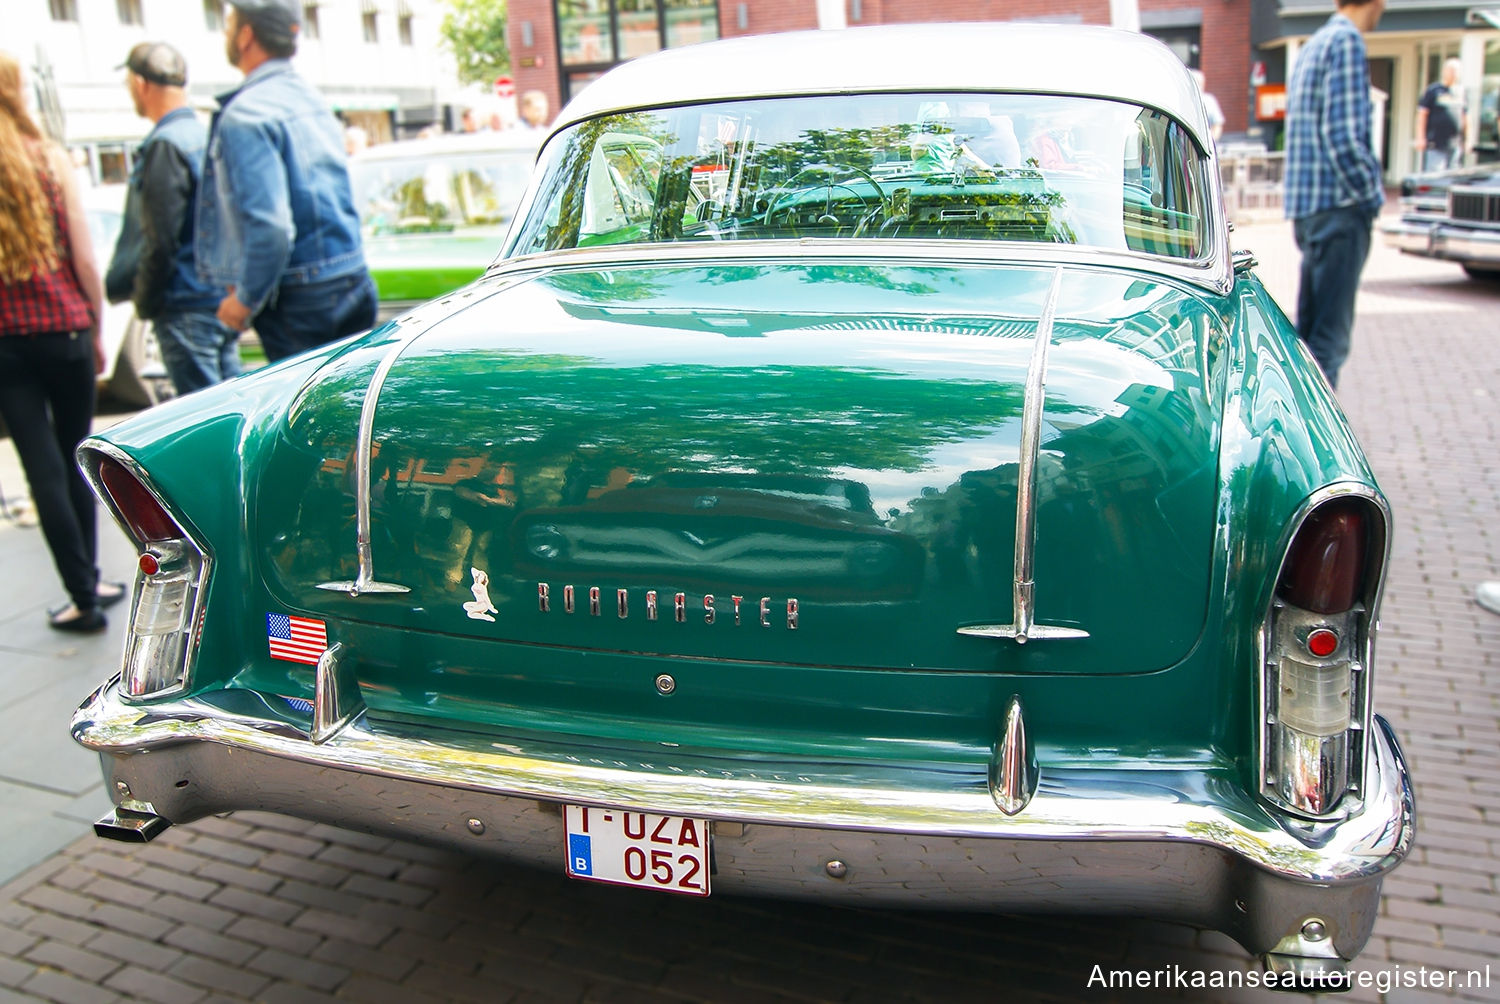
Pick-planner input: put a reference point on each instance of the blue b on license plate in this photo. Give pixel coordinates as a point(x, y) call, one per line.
point(669, 853)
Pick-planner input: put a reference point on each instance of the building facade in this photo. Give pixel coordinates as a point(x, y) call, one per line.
point(558, 46)
point(1406, 53)
point(377, 61)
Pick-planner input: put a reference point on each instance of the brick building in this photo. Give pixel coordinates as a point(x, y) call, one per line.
point(558, 46)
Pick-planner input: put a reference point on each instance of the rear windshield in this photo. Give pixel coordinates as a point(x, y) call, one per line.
point(1012, 167)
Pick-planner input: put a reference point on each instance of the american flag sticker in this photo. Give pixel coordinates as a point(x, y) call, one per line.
point(296, 639)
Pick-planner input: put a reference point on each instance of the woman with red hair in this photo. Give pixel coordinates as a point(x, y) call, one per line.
point(49, 346)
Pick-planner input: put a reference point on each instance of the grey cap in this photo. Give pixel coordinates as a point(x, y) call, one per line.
point(277, 20)
point(157, 62)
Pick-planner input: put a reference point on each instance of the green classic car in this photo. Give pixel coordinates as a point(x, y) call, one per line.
point(434, 211)
point(876, 481)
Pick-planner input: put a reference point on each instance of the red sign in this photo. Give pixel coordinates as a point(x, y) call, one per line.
point(1270, 102)
point(505, 87)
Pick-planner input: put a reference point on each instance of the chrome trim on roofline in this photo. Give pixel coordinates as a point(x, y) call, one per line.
point(1213, 273)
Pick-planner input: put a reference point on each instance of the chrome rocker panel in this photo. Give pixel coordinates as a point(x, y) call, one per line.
point(1174, 844)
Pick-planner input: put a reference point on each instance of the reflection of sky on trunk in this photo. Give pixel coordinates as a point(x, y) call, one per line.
point(892, 492)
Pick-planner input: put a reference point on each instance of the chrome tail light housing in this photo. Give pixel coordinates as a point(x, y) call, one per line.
point(1317, 652)
point(172, 571)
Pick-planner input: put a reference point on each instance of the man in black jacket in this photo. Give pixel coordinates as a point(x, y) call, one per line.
point(153, 259)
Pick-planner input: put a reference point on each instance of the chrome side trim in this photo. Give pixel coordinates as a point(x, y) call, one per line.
point(1171, 803)
point(365, 581)
point(1023, 627)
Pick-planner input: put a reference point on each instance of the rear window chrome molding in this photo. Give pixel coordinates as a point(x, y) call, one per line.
point(1213, 274)
point(1368, 617)
point(88, 455)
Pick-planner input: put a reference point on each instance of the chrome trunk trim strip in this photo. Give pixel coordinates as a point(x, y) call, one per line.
point(1023, 627)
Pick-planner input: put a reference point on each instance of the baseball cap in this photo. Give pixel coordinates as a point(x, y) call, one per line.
point(157, 62)
point(273, 20)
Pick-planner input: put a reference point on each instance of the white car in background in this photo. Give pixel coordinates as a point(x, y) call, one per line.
point(134, 373)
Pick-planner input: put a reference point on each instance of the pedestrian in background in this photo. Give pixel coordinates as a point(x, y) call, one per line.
point(275, 215)
point(1210, 106)
point(533, 110)
point(1333, 188)
point(153, 264)
point(1442, 120)
point(50, 355)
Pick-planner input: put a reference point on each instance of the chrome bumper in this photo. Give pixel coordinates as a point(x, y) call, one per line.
point(1171, 843)
point(1443, 240)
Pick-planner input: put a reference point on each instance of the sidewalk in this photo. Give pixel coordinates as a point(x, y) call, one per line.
point(50, 786)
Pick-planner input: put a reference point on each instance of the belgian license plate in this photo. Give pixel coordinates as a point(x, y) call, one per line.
point(669, 853)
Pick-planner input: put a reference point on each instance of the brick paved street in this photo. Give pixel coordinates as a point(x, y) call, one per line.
point(268, 908)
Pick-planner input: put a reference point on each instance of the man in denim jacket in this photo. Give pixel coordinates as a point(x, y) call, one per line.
point(153, 263)
point(275, 216)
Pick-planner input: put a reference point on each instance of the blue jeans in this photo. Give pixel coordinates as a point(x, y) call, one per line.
point(1334, 245)
point(198, 350)
point(306, 315)
point(1438, 158)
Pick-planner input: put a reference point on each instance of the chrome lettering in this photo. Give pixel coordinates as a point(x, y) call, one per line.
point(791, 615)
point(543, 597)
point(679, 607)
point(594, 601)
point(708, 608)
point(765, 611)
point(651, 604)
point(620, 598)
point(567, 599)
point(737, 600)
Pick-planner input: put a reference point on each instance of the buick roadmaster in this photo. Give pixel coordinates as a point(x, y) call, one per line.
point(877, 481)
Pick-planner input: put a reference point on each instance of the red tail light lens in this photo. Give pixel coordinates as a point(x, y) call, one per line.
point(1325, 568)
point(147, 520)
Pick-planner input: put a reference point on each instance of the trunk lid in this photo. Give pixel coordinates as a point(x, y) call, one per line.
point(795, 464)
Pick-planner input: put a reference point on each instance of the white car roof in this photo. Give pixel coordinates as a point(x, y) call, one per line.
point(975, 57)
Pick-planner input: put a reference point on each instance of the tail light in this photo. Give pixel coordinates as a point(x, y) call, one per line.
point(172, 569)
point(1315, 690)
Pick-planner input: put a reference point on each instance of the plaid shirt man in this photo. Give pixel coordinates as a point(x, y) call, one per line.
point(1329, 159)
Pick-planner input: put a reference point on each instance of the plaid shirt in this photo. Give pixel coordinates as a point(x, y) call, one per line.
point(1329, 158)
point(49, 301)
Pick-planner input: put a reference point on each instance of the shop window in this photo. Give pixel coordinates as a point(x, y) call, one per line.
point(691, 21)
point(129, 11)
point(596, 34)
point(1487, 133)
point(213, 15)
point(403, 28)
point(1185, 41)
point(63, 10)
point(369, 20)
point(310, 27)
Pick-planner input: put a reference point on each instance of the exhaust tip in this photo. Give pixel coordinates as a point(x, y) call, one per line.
point(130, 826)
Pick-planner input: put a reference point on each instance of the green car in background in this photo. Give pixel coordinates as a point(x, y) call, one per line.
point(435, 211)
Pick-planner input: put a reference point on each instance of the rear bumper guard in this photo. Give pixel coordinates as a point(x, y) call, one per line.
point(1172, 843)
